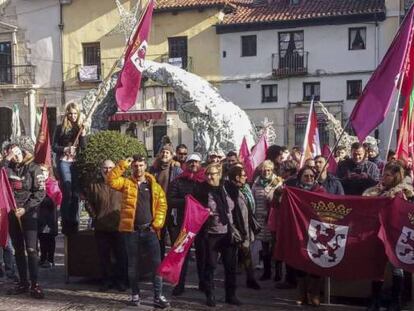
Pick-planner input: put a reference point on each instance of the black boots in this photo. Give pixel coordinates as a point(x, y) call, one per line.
point(396, 290)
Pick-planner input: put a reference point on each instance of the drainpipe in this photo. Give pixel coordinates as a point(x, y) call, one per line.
point(62, 87)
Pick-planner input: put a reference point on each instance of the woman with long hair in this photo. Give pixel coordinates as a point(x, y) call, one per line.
point(68, 138)
point(392, 184)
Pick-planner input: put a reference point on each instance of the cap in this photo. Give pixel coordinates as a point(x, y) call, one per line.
point(193, 157)
point(212, 153)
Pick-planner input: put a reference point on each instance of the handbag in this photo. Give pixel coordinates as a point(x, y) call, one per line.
point(254, 224)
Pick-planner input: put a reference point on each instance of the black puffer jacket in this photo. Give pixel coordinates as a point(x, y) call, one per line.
point(28, 185)
point(177, 191)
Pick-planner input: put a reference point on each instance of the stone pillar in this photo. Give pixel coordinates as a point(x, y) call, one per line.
point(32, 114)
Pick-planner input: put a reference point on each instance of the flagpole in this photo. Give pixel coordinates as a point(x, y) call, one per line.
point(95, 101)
point(305, 141)
point(333, 149)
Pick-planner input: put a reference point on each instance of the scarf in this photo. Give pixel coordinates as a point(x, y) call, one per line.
point(196, 177)
point(245, 190)
point(163, 177)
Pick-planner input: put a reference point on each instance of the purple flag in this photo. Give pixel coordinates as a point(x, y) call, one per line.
point(374, 103)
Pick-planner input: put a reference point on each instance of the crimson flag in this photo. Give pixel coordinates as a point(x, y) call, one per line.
point(397, 233)
point(129, 80)
point(311, 144)
point(43, 150)
point(330, 235)
point(7, 203)
point(194, 217)
point(332, 164)
point(244, 151)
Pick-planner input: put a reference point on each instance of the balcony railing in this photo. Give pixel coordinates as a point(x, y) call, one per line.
point(17, 75)
point(290, 64)
point(184, 63)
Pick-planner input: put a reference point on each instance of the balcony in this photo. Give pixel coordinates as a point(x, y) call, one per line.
point(183, 63)
point(291, 64)
point(19, 75)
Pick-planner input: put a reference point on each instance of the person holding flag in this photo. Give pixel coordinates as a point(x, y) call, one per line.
point(28, 185)
point(218, 232)
point(66, 143)
point(393, 184)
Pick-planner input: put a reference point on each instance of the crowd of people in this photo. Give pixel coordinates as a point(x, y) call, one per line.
point(144, 212)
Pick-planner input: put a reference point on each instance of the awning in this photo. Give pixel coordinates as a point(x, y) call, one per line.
point(137, 115)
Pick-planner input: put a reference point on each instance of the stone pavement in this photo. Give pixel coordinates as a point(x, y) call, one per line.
point(82, 295)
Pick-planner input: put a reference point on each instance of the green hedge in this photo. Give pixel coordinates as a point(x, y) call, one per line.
point(102, 146)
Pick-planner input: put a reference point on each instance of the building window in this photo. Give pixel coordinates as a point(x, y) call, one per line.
point(171, 101)
point(291, 50)
point(178, 52)
point(92, 57)
point(357, 38)
point(269, 93)
point(5, 62)
point(353, 89)
point(301, 120)
point(249, 45)
point(312, 89)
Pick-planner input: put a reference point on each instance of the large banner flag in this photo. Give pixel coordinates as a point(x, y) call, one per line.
point(374, 103)
point(311, 144)
point(7, 203)
point(329, 235)
point(194, 217)
point(43, 150)
point(129, 80)
point(397, 233)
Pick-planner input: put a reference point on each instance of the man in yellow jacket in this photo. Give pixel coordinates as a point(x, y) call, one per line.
point(143, 212)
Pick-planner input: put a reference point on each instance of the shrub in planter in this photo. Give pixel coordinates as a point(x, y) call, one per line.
point(102, 146)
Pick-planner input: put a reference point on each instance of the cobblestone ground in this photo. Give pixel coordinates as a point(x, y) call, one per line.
point(82, 294)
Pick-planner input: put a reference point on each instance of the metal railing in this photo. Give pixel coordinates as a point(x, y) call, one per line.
point(290, 64)
point(17, 75)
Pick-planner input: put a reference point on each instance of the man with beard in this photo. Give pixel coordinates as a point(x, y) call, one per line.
point(327, 180)
point(28, 185)
point(357, 174)
point(165, 170)
point(185, 184)
point(142, 217)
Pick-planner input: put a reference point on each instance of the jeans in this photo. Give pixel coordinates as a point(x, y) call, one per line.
point(112, 243)
point(69, 209)
point(7, 257)
point(138, 242)
point(24, 241)
point(220, 243)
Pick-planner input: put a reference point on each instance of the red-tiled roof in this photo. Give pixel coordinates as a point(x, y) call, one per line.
point(187, 4)
point(250, 11)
